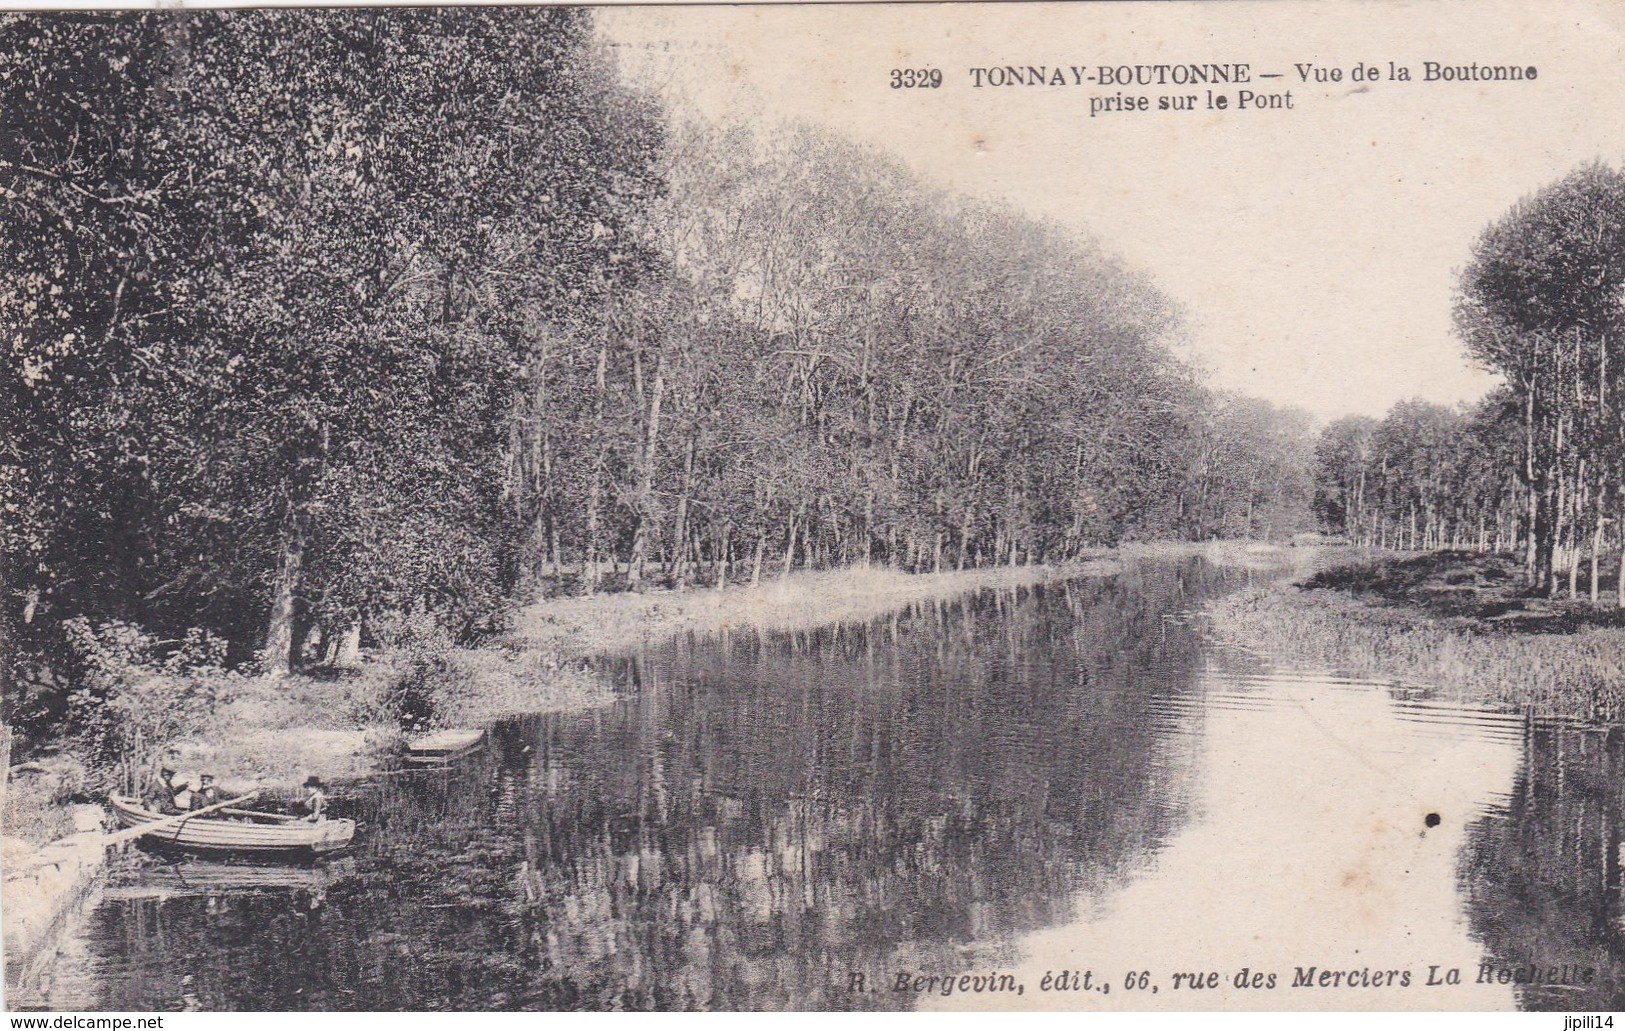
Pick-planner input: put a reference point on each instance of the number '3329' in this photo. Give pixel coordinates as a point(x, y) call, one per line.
point(916, 78)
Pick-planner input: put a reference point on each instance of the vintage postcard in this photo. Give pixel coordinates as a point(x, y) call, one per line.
point(1046, 506)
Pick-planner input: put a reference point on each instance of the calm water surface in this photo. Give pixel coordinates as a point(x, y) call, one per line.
point(1066, 778)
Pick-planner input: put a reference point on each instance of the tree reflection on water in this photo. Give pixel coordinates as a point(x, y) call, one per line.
point(1543, 881)
point(760, 817)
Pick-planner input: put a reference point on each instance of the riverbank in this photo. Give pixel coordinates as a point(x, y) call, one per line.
point(1453, 623)
point(270, 734)
point(44, 887)
point(545, 664)
point(611, 624)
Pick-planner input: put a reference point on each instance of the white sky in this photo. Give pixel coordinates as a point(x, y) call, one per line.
point(1314, 249)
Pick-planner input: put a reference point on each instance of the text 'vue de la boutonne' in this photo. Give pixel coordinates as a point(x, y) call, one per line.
point(1211, 86)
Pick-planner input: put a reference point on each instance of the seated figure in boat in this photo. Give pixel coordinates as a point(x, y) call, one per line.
point(207, 794)
point(162, 791)
point(315, 799)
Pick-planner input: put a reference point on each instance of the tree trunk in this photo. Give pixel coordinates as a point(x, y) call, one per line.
point(546, 530)
point(348, 653)
point(1545, 539)
point(280, 632)
point(595, 489)
point(302, 625)
point(790, 547)
point(679, 535)
point(1559, 526)
point(724, 544)
point(635, 559)
point(868, 523)
point(1596, 541)
point(640, 537)
point(1532, 502)
point(964, 542)
point(589, 559)
point(1576, 509)
point(546, 509)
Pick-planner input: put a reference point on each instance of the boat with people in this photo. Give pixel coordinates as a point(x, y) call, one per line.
point(229, 831)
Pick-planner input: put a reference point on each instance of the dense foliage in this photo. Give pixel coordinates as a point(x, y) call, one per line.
point(842, 365)
point(1543, 303)
point(1425, 476)
point(270, 281)
point(320, 319)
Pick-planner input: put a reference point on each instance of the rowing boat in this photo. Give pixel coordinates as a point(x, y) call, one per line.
point(257, 834)
point(444, 747)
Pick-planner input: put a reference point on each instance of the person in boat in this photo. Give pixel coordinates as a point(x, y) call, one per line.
point(207, 794)
point(161, 792)
point(315, 799)
point(182, 801)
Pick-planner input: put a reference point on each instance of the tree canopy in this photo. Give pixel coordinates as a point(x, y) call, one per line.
point(318, 317)
point(274, 279)
point(1543, 303)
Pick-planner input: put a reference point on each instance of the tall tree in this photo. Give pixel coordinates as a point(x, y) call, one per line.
point(275, 271)
point(1540, 302)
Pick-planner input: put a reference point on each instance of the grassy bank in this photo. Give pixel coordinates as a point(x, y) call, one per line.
point(617, 623)
point(1454, 623)
point(341, 725)
point(275, 733)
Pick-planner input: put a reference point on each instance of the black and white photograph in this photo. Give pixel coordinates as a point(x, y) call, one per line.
point(813, 507)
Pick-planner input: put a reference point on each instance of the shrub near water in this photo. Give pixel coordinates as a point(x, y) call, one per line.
point(136, 693)
point(423, 679)
point(1575, 674)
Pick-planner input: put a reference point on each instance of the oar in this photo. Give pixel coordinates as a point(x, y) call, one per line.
point(263, 816)
point(434, 768)
point(122, 836)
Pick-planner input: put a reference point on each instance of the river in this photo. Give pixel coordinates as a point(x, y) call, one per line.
point(1071, 782)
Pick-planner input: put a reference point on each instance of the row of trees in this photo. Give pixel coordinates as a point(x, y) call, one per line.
point(840, 365)
point(1543, 303)
point(1538, 466)
point(1425, 476)
point(319, 316)
point(1429, 476)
